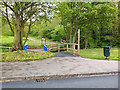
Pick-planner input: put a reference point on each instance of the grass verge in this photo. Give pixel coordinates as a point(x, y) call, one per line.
point(25, 55)
point(97, 53)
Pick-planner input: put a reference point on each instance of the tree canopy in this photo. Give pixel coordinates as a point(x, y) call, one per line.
point(97, 21)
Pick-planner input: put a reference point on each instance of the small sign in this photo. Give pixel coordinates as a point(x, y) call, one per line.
point(43, 38)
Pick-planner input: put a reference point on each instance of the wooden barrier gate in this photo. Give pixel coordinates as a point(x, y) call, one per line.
point(58, 48)
point(72, 44)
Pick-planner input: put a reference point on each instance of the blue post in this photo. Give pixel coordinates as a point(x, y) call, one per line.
point(25, 47)
point(44, 48)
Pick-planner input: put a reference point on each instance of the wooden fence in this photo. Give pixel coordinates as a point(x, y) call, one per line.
point(6, 47)
point(58, 48)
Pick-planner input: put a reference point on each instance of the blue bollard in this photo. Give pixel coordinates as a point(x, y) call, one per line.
point(44, 48)
point(25, 48)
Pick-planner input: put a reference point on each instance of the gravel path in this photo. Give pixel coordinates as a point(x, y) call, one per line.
point(31, 38)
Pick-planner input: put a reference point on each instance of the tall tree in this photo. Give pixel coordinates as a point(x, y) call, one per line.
point(22, 13)
point(89, 15)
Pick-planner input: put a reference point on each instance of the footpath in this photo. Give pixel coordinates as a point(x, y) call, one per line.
point(56, 66)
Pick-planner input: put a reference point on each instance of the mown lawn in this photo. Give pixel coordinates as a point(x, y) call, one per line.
point(25, 55)
point(98, 53)
point(8, 41)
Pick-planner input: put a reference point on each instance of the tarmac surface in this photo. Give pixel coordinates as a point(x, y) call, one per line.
point(107, 81)
point(64, 54)
point(62, 64)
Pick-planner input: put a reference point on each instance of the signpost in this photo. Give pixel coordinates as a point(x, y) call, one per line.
point(43, 39)
point(78, 42)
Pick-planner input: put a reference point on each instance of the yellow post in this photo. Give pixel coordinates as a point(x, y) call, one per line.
point(74, 49)
point(67, 47)
point(58, 48)
point(78, 42)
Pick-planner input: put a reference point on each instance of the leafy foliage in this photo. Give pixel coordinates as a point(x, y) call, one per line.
point(97, 21)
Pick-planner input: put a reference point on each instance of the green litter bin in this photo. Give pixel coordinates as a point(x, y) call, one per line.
point(106, 51)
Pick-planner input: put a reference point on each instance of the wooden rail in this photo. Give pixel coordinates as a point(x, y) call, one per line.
point(67, 47)
point(5, 47)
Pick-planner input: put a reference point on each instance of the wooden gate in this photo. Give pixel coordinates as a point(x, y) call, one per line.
point(57, 47)
point(67, 46)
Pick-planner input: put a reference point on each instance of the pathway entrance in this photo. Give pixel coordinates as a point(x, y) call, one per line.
point(64, 54)
point(58, 54)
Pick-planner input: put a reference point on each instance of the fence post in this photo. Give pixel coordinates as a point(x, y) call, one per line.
point(78, 42)
point(48, 49)
point(58, 48)
point(61, 41)
point(67, 47)
point(9, 48)
point(74, 49)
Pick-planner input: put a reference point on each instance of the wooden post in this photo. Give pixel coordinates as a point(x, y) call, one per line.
point(78, 42)
point(61, 41)
point(74, 49)
point(45, 40)
point(58, 48)
point(67, 47)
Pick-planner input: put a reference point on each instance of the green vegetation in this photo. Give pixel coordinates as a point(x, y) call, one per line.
point(25, 55)
point(97, 53)
point(8, 41)
point(97, 21)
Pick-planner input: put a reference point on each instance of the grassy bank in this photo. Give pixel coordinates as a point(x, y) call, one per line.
point(25, 55)
point(98, 53)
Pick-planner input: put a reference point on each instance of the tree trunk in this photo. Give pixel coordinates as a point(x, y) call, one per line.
point(74, 35)
point(21, 37)
point(28, 32)
point(18, 34)
point(71, 31)
point(9, 21)
point(65, 33)
point(86, 42)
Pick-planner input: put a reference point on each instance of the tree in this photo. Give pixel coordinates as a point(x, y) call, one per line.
point(22, 13)
point(91, 16)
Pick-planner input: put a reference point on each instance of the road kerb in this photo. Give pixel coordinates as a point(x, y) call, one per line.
point(16, 78)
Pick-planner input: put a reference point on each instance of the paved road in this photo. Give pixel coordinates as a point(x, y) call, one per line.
point(108, 81)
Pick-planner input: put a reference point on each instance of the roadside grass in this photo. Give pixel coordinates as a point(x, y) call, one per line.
point(97, 53)
point(25, 55)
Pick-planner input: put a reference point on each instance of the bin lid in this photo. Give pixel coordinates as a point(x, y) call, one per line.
point(107, 46)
